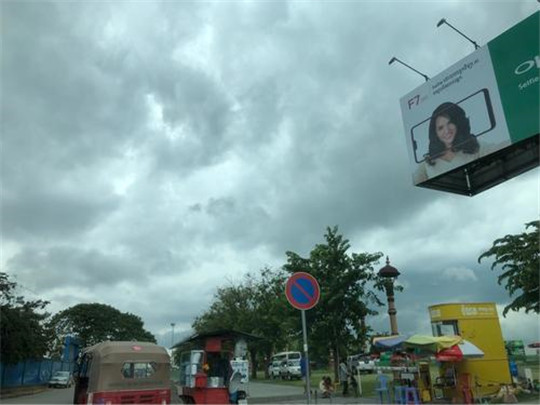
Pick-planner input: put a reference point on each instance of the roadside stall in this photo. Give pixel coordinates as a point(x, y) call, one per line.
point(410, 367)
point(214, 368)
point(445, 349)
point(410, 374)
point(469, 351)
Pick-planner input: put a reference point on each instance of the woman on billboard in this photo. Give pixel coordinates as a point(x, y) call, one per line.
point(451, 143)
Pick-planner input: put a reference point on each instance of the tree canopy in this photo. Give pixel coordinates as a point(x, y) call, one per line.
point(258, 305)
point(348, 283)
point(519, 257)
point(94, 323)
point(23, 334)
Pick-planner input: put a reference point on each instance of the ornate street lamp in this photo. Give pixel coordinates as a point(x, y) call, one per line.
point(172, 334)
point(389, 273)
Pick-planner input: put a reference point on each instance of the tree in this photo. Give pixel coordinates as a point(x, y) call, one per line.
point(338, 320)
point(257, 306)
point(23, 334)
point(94, 323)
point(519, 257)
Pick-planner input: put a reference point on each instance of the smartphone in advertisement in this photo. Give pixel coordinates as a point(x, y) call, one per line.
point(477, 108)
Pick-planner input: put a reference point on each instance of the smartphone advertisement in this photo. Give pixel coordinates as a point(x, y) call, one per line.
point(480, 105)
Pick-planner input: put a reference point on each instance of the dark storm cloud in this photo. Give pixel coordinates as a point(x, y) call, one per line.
point(162, 147)
point(35, 214)
point(60, 267)
point(432, 285)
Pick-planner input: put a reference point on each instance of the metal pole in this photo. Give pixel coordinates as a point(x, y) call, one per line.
point(359, 381)
point(306, 356)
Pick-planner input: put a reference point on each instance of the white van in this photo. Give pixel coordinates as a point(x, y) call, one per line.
point(285, 365)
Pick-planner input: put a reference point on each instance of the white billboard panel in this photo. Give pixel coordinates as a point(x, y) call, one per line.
point(455, 118)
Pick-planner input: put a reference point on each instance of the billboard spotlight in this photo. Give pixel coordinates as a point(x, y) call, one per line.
point(394, 59)
point(443, 21)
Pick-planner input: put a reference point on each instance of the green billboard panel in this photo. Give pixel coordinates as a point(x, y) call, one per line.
point(516, 60)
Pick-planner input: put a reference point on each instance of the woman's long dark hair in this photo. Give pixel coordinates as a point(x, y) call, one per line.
point(464, 141)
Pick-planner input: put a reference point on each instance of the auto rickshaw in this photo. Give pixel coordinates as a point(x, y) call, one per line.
point(214, 368)
point(123, 372)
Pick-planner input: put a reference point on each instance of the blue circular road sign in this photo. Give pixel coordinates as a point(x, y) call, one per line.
point(302, 290)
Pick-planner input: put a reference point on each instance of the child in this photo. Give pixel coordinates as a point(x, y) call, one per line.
point(326, 387)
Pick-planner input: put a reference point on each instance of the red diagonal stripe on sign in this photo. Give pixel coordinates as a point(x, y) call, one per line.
point(308, 296)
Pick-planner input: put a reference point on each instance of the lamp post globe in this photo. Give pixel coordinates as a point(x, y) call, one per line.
point(172, 333)
point(389, 274)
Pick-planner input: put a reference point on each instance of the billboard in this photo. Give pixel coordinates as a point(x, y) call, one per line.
point(476, 124)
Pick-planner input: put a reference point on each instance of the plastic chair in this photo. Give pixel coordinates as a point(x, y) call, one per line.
point(411, 394)
point(399, 394)
point(382, 388)
point(466, 390)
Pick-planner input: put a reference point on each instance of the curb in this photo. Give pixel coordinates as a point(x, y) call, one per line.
point(15, 393)
point(274, 400)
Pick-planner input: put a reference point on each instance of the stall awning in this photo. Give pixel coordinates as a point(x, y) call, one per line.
point(389, 342)
point(432, 343)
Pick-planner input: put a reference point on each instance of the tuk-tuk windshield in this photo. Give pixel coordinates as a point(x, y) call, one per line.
point(138, 370)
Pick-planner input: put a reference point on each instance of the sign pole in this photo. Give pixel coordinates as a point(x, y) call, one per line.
point(302, 291)
point(306, 356)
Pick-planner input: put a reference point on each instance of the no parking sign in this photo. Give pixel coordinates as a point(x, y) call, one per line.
point(302, 290)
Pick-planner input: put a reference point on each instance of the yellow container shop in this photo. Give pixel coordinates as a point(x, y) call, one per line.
point(478, 323)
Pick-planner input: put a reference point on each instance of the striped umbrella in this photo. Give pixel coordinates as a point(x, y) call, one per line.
point(461, 351)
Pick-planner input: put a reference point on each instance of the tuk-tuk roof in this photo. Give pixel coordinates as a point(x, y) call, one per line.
point(224, 334)
point(110, 352)
point(108, 358)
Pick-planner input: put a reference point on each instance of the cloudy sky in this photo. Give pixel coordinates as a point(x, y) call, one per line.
point(153, 151)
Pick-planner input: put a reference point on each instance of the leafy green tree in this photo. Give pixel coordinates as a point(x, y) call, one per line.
point(347, 283)
point(277, 320)
point(23, 334)
point(257, 306)
point(519, 258)
point(94, 323)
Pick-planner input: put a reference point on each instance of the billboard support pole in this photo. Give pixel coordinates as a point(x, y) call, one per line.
point(394, 59)
point(443, 21)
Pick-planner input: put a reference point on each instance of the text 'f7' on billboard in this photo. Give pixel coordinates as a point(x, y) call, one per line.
point(476, 124)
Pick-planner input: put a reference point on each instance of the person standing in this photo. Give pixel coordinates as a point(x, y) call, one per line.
point(344, 378)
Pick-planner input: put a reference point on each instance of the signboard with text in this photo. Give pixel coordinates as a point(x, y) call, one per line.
point(477, 123)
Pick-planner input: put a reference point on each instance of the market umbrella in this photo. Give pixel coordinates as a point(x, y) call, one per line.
point(460, 351)
point(433, 344)
point(389, 342)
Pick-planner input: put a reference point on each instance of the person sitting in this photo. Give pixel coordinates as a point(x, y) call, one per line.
point(326, 387)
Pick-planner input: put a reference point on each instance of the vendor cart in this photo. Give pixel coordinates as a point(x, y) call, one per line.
point(214, 368)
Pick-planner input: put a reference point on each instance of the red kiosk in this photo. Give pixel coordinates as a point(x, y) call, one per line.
point(214, 368)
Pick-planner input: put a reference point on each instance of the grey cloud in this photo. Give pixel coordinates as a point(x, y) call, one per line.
point(278, 120)
point(35, 214)
point(68, 266)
